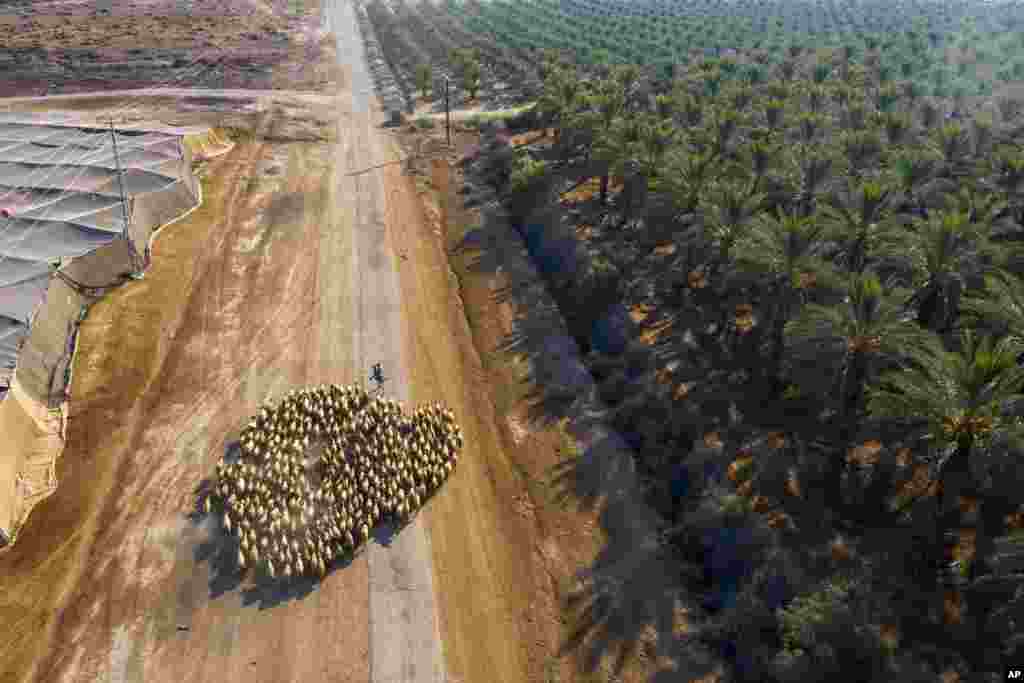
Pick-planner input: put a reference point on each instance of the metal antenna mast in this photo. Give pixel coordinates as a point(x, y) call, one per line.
point(124, 201)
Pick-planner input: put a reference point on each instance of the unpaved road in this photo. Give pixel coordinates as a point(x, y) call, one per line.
point(289, 284)
point(405, 643)
point(304, 96)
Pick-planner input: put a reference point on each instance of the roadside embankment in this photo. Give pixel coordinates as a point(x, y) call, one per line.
point(565, 484)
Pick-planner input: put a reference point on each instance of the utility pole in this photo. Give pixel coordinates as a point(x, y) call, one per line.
point(124, 202)
point(447, 115)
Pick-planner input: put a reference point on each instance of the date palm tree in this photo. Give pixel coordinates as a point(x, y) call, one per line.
point(870, 330)
point(607, 101)
point(912, 170)
point(690, 167)
point(561, 98)
point(953, 143)
point(782, 248)
point(1007, 168)
point(648, 140)
point(943, 250)
point(957, 399)
point(859, 218)
point(728, 208)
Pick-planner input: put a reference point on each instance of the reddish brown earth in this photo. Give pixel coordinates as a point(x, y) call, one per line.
point(68, 46)
point(168, 369)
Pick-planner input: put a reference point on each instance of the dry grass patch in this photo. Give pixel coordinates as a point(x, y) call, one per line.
point(652, 334)
point(532, 136)
point(640, 312)
point(590, 189)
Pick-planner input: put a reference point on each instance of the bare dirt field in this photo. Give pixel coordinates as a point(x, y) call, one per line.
point(70, 46)
point(109, 567)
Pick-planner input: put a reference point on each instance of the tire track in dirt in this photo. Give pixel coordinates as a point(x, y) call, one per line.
point(191, 587)
point(91, 529)
point(230, 632)
point(160, 493)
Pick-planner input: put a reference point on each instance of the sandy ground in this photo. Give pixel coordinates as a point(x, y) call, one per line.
point(140, 568)
point(258, 291)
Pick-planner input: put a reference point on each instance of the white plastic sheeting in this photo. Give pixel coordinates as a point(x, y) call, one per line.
point(60, 200)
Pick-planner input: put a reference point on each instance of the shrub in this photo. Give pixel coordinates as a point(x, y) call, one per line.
point(471, 78)
point(467, 64)
point(424, 79)
point(526, 171)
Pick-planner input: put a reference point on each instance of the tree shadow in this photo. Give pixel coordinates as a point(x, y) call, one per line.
point(635, 430)
point(632, 594)
point(637, 589)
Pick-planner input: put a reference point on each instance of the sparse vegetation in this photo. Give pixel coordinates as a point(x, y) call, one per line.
point(424, 80)
point(467, 64)
point(526, 171)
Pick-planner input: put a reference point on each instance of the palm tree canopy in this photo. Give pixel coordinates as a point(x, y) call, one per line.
point(783, 244)
point(562, 96)
point(1000, 303)
point(945, 247)
point(870, 321)
point(936, 247)
point(957, 394)
point(859, 212)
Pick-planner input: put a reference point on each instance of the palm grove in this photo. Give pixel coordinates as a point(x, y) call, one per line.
point(831, 261)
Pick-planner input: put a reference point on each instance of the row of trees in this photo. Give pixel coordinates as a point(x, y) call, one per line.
point(467, 65)
point(913, 47)
point(848, 330)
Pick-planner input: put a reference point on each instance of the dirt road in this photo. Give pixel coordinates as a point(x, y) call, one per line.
point(283, 278)
point(405, 643)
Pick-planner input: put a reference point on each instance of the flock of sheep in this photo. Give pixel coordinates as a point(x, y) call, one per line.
point(317, 473)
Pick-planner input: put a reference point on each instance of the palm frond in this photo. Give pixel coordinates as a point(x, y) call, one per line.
point(950, 389)
point(1001, 302)
point(911, 393)
point(817, 324)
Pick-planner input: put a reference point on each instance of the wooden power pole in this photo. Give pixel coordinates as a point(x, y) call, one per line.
point(124, 201)
point(447, 114)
